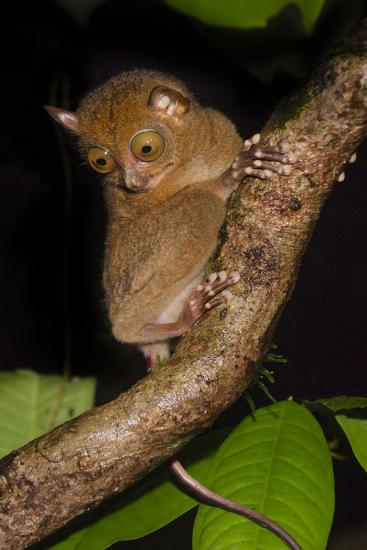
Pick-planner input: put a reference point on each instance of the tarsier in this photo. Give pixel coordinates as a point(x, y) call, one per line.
point(169, 166)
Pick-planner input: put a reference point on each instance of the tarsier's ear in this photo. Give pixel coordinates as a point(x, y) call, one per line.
point(67, 119)
point(168, 101)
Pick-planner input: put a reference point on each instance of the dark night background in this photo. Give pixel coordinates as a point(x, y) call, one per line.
point(49, 58)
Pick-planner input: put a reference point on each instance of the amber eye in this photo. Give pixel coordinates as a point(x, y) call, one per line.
point(101, 160)
point(148, 145)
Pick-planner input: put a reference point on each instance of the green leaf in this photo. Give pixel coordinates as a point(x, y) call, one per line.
point(245, 15)
point(353, 422)
point(343, 403)
point(356, 431)
point(31, 404)
point(147, 508)
point(280, 465)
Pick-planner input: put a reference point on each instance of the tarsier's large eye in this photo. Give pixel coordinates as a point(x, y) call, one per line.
point(101, 160)
point(148, 145)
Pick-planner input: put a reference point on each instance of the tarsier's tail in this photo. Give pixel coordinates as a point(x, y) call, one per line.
point(208, 497)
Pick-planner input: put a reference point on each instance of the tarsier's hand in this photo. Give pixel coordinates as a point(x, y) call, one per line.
point(255, 161)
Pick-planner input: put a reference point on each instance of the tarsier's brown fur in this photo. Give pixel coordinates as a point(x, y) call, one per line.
point(158, 242)
point(165, 214)
point(151, 236)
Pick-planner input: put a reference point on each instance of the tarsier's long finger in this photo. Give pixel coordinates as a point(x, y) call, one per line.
point(196, 295)
point(282, 146)
point(222, 298)
point(248, 143)
point(249, 169)
point(267, 153)
point(223, 281)
point(216, 283)
point(284, 169)
point(210, 279)
point(255, 172)
point(270, 153)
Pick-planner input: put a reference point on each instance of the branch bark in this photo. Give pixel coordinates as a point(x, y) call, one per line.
point(71, 469)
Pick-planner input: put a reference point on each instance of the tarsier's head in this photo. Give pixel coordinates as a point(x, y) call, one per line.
point(132, 127)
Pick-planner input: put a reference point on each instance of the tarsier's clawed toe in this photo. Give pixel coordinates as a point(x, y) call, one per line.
point(262, 162)
point(222, 298)
point(213, 292)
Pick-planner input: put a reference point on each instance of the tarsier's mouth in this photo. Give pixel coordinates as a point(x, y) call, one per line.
point(122, 185)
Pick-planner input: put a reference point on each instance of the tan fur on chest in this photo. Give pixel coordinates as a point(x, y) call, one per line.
point(150, 260)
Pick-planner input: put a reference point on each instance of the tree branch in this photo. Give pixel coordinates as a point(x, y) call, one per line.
point(73, 468)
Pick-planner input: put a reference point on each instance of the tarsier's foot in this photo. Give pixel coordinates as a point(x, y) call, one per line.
point(208, 295)
point(156, 353)
point(254, 161)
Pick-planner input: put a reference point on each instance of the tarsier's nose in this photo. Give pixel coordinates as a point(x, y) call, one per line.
point(132, 180)
point(136, 182)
